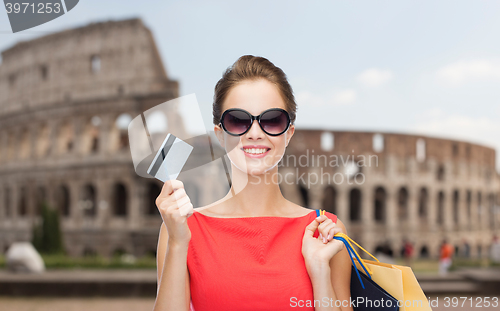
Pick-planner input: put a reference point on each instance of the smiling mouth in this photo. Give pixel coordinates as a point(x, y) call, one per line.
point(255, 150)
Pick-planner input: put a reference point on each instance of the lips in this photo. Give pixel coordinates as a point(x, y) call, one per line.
point(255, 151)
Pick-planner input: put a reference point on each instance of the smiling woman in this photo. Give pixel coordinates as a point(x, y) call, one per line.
point(253, 249)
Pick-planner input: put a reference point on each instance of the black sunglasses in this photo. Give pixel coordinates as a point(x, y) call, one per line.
point(273, 122)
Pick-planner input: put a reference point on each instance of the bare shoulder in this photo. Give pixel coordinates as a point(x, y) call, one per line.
point(297, 210)
point(210, 209)
point(341, 225)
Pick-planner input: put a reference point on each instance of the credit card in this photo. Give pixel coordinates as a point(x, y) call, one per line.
point(170, 158)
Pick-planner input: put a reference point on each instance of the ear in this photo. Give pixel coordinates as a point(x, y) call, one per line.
point(289, 132)
point(219, 132)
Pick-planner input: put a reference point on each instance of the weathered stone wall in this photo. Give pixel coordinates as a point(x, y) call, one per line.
point(60, 98)
point(446, 190)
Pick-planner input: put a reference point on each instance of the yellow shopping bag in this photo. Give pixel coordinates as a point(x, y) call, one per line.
point(399, 281)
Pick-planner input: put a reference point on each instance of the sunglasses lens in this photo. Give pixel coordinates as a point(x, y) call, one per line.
point(236, 122)
point(274, 121)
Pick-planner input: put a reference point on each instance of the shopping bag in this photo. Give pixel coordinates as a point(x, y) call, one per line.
point(366, 294)
point(398, 281)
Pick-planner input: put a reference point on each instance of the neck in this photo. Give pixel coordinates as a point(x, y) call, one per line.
point(255, 195)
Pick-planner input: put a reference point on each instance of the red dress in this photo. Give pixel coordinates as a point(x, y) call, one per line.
point(248, 263)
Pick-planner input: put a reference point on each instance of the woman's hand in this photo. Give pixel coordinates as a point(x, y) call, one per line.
point(317, 252)
point(175, 207)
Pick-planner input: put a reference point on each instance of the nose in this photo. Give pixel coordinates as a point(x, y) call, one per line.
point(255, 132)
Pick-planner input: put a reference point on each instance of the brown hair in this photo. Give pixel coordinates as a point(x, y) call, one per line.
point(249, 67)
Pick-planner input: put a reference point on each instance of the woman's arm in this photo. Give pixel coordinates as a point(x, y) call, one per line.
point(331, 279)
point(173, 291)
point(340, 266)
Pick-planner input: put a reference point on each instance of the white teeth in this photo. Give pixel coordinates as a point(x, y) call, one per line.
point(255, 151)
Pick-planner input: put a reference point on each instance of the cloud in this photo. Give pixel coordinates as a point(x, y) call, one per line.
point(344, 97)
point(461, 72)
point(334, 98)
point(374, 77)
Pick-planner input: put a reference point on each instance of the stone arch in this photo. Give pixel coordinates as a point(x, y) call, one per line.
point(440, 208)
point(11, 146)
point(95, 63)
point(88, 201)
point(456, 201)
point(330, 199)
point(65, 137)
point(24, 144)
point(479, 206)
point(7, 201)
point(119, 132)
point(403, 203)
point(120, 199)
point(491, 210)
point(63, 200)
point(23, 204)
point(41, 198)
point(440, 173)
point(469, 207)
point(91, 135)
point(380, 204)
point(153, 191)
point(423, 201)
point(43, 141)
point(355, 204)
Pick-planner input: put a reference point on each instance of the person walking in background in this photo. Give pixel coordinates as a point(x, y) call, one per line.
point(495, 250)
point(466, 248)
point(408, 252)
point(445, 261)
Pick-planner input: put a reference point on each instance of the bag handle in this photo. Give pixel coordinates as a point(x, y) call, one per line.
point(347, 241)
point(351, 251)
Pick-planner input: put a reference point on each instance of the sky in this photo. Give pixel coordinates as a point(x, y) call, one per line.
point(416, 67)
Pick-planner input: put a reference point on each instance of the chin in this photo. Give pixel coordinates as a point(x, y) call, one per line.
point(256, 171)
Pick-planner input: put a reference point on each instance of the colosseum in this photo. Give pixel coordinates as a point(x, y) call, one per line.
point(65, 103)
point(389, 187)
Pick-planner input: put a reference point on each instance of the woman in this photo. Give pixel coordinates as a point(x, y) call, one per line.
point(253, 249)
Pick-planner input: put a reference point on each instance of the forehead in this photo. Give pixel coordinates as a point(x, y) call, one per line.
point(254, 96)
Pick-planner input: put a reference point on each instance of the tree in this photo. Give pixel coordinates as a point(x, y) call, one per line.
point(47, 237)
